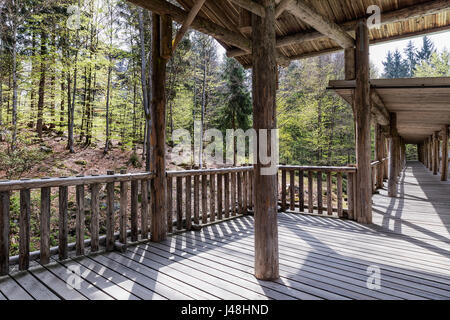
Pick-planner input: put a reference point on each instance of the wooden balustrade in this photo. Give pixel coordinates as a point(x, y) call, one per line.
point(336, 188)
point(81, 184)
point(224, 193)
point(201, 197)
point(378, 175)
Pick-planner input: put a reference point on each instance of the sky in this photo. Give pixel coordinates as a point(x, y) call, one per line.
point(378, 52)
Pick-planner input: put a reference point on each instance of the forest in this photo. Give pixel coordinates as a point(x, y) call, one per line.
point(75, 84)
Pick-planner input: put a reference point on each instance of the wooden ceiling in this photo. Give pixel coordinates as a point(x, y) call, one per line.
point(229, 22)
point(422, 104)
point(345, 13)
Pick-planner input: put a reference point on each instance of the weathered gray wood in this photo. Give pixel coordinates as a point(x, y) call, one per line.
point(350, 195)
point(436, 153)
point(219, 197)
point(123, 219)
point(340, 209)
point(380, 155)
point(63, 223)
point(70, 181)
point(292, 190)
point(212, 198)
point(110, 214)
point(283, 189)
point(310, 192)
point(301, 192)
point(227, 204)
point(233, 193)
point(196, 199)
point(393, 157)
point(80, 220)
point(161, 38)
point(264, 85)
point(169, 206)
point(24, 231)
point(319, 193)
point(239, 192)
point(444, 163)
point(95, 222)
point(4, 233)
point(204, 199)
point(45, 226)
point(145, 207)
point(329, 195)
point(188, 200)
point(179, 203)
point(244, 192)
point(134, 210)
point(362, 120)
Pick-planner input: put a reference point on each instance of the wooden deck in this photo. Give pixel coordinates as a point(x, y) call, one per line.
point(320, 258)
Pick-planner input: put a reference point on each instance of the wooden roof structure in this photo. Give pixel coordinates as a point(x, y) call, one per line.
point(422, 105)
point(305, 28)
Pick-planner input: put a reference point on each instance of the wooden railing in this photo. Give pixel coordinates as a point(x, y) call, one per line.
point(80, 183)
point(194, 198)
point(378, 168)
point(304, 197)
point(203, 196)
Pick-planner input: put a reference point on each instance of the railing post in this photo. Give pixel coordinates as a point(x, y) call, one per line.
point(444, 169)
point(4, 233)
point(45, 225)
point(24, 237)
point(110, 214)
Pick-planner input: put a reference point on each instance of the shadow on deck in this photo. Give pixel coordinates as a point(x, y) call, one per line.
point(320, 258)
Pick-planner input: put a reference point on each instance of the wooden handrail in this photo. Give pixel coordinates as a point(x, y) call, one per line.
point(24, 184)
point(200, 172)
point(318, 168)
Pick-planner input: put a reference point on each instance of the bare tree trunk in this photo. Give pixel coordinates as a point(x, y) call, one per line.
point(40, 120)
point(14, 101)
point(61, 113)
point(200, 158)
point(108, 89)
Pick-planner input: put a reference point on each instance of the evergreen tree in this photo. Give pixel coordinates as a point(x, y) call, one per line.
point(437, 66)
point(411, 59)
point(427, 49)
point(395, 66)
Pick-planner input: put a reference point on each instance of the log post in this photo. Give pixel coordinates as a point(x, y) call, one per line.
point(264, 117)
point(435, 152)
point(162, 38)
point(362, 120)
point(444, 167)
point(393, 156)
point(379, 154)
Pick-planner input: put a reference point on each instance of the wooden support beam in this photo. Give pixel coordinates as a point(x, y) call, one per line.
point(158, 187)
point(435, 152)
point(444, 163)
point(264, 117)
point(379, 155)
point(404, 14)
point(187, 23)
point(203, 25)
point(281, 7)
point(349, 57)
point(378, 109)
point(251, 6)
point(362, 121)
point(393, 156)
point(309, 15)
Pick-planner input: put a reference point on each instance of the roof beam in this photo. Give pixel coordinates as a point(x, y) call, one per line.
point(411, 12)
point(187, 23)
point(378, 109)
point(251, 6)
point(162, 7)
point(325, 26)
point(281, 7)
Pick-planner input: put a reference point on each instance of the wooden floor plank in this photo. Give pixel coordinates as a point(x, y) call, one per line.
point(12, 290)
point(34, 287)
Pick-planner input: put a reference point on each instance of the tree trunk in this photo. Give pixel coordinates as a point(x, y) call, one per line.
point(40, 114)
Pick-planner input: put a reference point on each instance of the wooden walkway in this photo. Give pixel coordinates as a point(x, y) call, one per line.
point(320, 258)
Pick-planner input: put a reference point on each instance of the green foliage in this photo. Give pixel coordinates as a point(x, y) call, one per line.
point(437, 66)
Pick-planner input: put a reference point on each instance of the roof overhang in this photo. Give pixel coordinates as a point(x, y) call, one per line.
point(422, 104)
